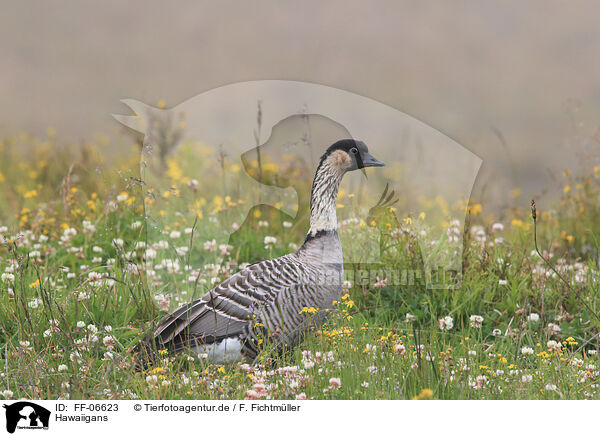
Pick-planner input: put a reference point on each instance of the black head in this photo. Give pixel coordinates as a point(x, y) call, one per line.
point(356, 151)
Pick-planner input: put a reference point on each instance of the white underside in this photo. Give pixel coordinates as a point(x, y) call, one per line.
point(227, 351)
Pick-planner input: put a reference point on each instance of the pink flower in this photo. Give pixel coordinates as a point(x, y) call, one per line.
point(334, 383)
point(301, 396)
point(251, 395)
point(401, 349)
point(380, 283)
point(481, 381)
point(260, 389)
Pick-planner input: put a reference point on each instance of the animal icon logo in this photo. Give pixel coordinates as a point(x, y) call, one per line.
point(26, 415)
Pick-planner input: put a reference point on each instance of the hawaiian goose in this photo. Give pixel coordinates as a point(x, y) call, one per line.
point(263, 303)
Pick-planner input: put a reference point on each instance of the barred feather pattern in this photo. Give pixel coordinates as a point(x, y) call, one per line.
point(264, 302)
point(324, 195)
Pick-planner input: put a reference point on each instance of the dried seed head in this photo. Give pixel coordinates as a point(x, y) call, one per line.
point(533, 210)
point(520, 312)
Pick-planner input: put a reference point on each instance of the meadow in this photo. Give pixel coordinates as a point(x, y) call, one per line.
point(83, 278)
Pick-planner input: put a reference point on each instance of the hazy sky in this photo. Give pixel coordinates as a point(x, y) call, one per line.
point(530, 69)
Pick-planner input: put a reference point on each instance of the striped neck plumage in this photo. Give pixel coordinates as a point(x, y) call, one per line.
point(323, 199)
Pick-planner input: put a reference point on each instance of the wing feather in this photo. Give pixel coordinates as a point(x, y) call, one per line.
point(229, 308)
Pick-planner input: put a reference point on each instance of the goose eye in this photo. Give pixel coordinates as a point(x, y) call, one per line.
point(354, 150)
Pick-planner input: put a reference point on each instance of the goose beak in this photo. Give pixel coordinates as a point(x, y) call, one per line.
point(370, 161)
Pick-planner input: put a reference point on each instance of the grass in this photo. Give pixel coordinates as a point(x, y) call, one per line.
point(75, 297)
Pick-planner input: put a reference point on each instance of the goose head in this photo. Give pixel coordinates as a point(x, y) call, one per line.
point(349, 155)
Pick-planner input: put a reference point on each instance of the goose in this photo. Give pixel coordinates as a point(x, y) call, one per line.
point(266, 302)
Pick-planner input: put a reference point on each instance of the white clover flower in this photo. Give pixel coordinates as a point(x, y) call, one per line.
point(188, 230)
point(122, 197)
point(554, 346)
point(270, 240)
point(175, 234)
point(80, 324)
point(308, 364)
point(88, 227)
point(210, 245)
point(193, 184)
point(7, 394)
point(136, 225)
point(496, 332)
point(335, 383)
point(109, 341)
point(8, 277)
point(118, 242)
point(62, 367)
point(476, 321)
point(380, 283)
point(472, 353)
point(35, 303)
point(503, 282)
point(533, 317)
point(526, 378)
point(525, 350)
point(92, 328)
point(446, 323)
point(181, 251)
point(287, 224)
point(497, 227)
point(75, 356)
point(225, 249)
point(550, 387)
point(410, 317)
point(576, 362)
point(94, 276)
point(69, 232)
point(150, 253)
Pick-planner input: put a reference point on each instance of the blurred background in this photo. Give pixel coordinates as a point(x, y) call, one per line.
point(517, 83)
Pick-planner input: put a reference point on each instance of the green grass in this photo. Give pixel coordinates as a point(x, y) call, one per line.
point(73, 305)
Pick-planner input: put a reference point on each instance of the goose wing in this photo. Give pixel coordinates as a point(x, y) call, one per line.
point(228, 309)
